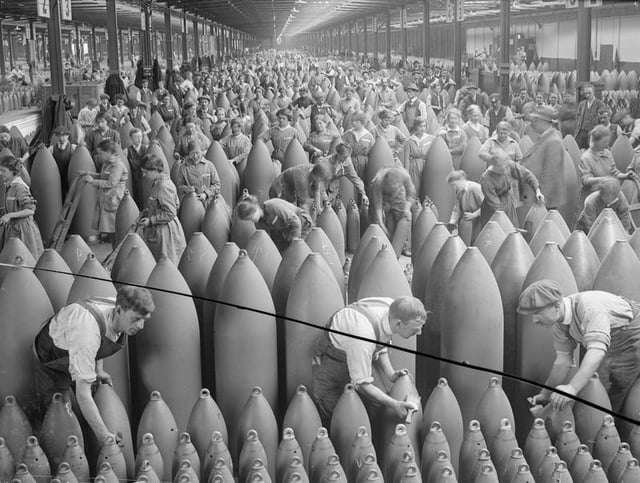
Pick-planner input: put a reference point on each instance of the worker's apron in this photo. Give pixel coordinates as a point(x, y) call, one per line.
point(621, 364)
point(330, 370)
point(52, 367)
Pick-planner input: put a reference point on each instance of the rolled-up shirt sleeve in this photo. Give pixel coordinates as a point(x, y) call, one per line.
point(597, 330)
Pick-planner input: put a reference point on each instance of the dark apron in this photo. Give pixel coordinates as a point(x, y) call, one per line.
point(52, 368)
point(330, 371)
point(621, 364)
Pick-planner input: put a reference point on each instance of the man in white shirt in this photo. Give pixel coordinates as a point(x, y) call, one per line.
point(71, 346)
point(341, 359)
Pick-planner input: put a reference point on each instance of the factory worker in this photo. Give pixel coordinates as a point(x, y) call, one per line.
point(606, 325)
point(71, 346)
point(340, 359)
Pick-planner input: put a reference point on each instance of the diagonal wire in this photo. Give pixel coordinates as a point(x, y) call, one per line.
point(464, 364)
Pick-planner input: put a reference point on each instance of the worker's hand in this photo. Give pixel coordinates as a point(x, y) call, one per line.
point(103, 377)
point(5, 219)
point(144, 222)
point(87, 178)
point(540, 197)
point(176, 156)
point(398, 374)
point(365, 199)
point(470, 215)
point(559, 401)
point(540, 399)
point(202, 196)
point(402, 408)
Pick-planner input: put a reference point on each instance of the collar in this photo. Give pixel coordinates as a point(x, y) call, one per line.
point(568, 311)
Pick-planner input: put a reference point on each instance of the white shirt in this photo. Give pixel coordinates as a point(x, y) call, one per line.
point(359, 353)
point(75, 330)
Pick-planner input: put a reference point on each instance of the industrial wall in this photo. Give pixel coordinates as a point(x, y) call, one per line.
point(613, 39)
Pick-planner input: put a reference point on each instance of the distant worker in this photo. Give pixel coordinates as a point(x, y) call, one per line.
point(608, 196)
point(606, 325)
point(71, 346)
point(340, 359)
point(283, 221)
point(392, 196)
point(469, 198)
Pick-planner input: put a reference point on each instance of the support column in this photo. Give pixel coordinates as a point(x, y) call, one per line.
point(505, 29)
point(426, 14)
point(168, 39)
point(185, 47)
point(457, 48)
point(146, 46)
point(121, 44)
point(55, 49)
point(583, 58)
point(366, 40)
point(350, 33)
point(12, 61)
point(196, 38)
point(376, 41)
point(78, 43)
point(32, 44)
point(94, 45)
point(3, 69)
point(403, 34)
point(112, 38)
point(388, 29)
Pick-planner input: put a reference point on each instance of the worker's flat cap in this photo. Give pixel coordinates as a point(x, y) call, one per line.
point(539, 295)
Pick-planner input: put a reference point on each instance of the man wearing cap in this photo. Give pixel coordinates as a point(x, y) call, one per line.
point(546, 159)
point(477, 97)
point(497, 113)
point(87, 115)
point(587, 115)
point(606, 325)
point(414, 107)
point(204, 111)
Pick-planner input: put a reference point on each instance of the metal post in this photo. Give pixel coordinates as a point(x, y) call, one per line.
point(121, 48)
point(3, 69)
point(457, 48)
point(94, 44)
point(426, 15)
point(11, 53)
point(505, 29)
point(388, 38)
point(146, 46)
point(55, 49)
point(78, 43)
point(376, 40)
point(168, 39)
point(583, 57)
point(403, 34)
point(112, 37)
point(185, 47)
point(31, 48)
point(366, 41)
point(196, 38)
